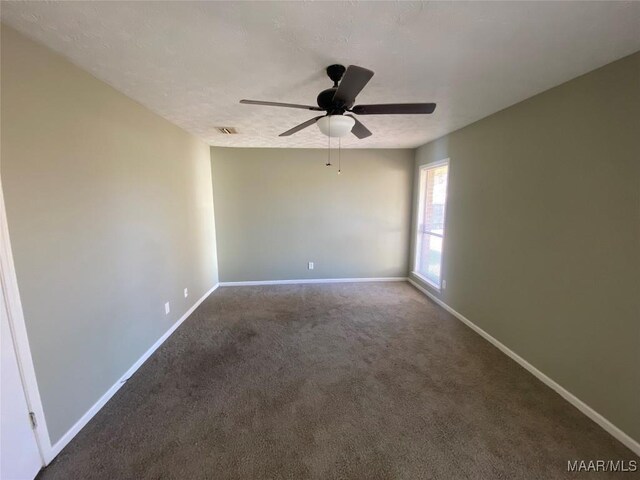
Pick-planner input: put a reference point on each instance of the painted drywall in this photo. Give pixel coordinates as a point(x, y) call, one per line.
point(110, 215)
point(278, 209)
point(542, 243)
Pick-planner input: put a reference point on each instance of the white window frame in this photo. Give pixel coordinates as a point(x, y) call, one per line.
point(420, 214)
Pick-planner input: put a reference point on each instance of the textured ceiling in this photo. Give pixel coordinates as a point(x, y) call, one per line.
point(192, 61)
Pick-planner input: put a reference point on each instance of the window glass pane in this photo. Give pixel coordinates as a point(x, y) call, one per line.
point(431, 216)
point(430, 258)
point(435, 197)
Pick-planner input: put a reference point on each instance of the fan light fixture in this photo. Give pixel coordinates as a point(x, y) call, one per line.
point(336, 125)
point(339, 99)
point(335, 101)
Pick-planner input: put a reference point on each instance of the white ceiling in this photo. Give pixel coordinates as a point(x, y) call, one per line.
point(191, 62)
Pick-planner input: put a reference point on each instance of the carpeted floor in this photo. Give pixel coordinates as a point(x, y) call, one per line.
point(342, 381)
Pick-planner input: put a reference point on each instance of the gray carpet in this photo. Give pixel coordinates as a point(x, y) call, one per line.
point(342, 381)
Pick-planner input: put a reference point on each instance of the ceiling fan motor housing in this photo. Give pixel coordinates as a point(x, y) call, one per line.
point(326, 97)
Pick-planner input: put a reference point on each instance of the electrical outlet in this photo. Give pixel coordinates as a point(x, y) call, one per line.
point(310, 265)
point(167, 308)
point(186, 292)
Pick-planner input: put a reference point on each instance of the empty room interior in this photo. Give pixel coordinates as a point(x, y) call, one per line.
point(320, 240)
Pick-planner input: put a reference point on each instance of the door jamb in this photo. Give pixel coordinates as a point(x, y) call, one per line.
point(20, 339)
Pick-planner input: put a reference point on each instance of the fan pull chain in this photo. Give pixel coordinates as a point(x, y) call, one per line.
point(328, 164)
point(339, 155)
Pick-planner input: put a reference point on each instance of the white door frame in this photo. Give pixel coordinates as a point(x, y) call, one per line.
point(18, 328)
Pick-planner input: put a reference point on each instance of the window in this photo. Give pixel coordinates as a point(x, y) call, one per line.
point(431, 215)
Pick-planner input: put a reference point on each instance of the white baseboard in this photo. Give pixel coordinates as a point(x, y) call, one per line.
point(621, 436)
point(73, 431)
point(313, 280)
point(618, 434)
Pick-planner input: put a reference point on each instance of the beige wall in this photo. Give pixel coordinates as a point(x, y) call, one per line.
point(110, 215)
point(278, 209)
point(543, 234)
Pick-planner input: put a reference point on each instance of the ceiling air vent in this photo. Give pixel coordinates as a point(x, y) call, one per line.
point(227, 130)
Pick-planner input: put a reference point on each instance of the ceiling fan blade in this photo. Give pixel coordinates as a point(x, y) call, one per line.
point(352, 83)
point(394, 108)
point(297, 128)
point(359, 130)
point(279, 104)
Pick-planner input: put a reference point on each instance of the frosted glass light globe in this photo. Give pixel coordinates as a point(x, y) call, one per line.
point(335, 125)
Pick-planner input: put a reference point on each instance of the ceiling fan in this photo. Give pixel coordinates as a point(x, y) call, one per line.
point(339, 99)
